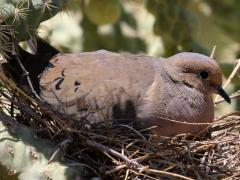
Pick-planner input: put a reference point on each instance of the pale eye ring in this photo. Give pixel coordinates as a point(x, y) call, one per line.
point(204, 74)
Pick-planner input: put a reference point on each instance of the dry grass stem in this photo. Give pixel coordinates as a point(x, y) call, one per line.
point(230, 78)
point(213, 51)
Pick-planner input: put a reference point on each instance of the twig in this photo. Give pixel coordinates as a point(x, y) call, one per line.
point(127, 173)
point(23, 107)
point(191, 161)
point(125, 165)
point(59, 149)
point(213, 51)
point(180, 122)
point(168, 174)
point(25, 72)
point(227, 115)
point(234, 96)
point(115, 169)
point(233, 176)
point(11, 86)
point(144, 175)
point(105, 149)
point(234, 72)
point(134, 130)
point(147, 129)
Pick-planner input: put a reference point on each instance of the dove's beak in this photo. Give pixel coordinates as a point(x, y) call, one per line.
point(221, 92)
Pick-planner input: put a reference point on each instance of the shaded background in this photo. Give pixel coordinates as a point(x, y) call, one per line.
point(154, 27)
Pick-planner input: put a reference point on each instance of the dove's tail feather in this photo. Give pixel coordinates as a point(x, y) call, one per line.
point(34, 63)
point(38, 45)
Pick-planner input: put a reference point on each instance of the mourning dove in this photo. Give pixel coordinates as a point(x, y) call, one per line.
point(152, 91)
point(170, 96)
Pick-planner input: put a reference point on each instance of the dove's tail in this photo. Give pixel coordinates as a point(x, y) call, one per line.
point(34, 62)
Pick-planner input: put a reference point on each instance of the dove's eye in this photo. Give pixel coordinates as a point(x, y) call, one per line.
point(203, 74)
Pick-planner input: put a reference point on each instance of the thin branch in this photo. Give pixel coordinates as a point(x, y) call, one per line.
point(234, 72)
point(184, 122)
point(25, 72)
point(122, 166)
point(134, 130)
point(213, 51)
point(106, 149)
point(191, 161)
point(227, 115)
point(169, 174)
point(60, 148)
point(234, 96)
point(230, 78)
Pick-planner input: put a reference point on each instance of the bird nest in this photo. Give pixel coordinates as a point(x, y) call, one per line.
point(118, 151)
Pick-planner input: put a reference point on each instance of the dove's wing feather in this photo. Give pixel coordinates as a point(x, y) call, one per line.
point(92, 79)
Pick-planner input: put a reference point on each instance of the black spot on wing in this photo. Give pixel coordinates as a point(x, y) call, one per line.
point(75, 90)
point(77, 83)
point(62, 73)
point(57, 86)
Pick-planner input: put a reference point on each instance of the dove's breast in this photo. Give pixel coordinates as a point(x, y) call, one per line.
point(97, 85)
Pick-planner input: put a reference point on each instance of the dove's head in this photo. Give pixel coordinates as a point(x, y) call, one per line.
point(197, 71)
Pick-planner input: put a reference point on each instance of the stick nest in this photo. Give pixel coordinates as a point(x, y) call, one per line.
point(118, 151)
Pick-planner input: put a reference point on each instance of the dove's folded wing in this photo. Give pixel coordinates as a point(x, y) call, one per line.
point(96, 81)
